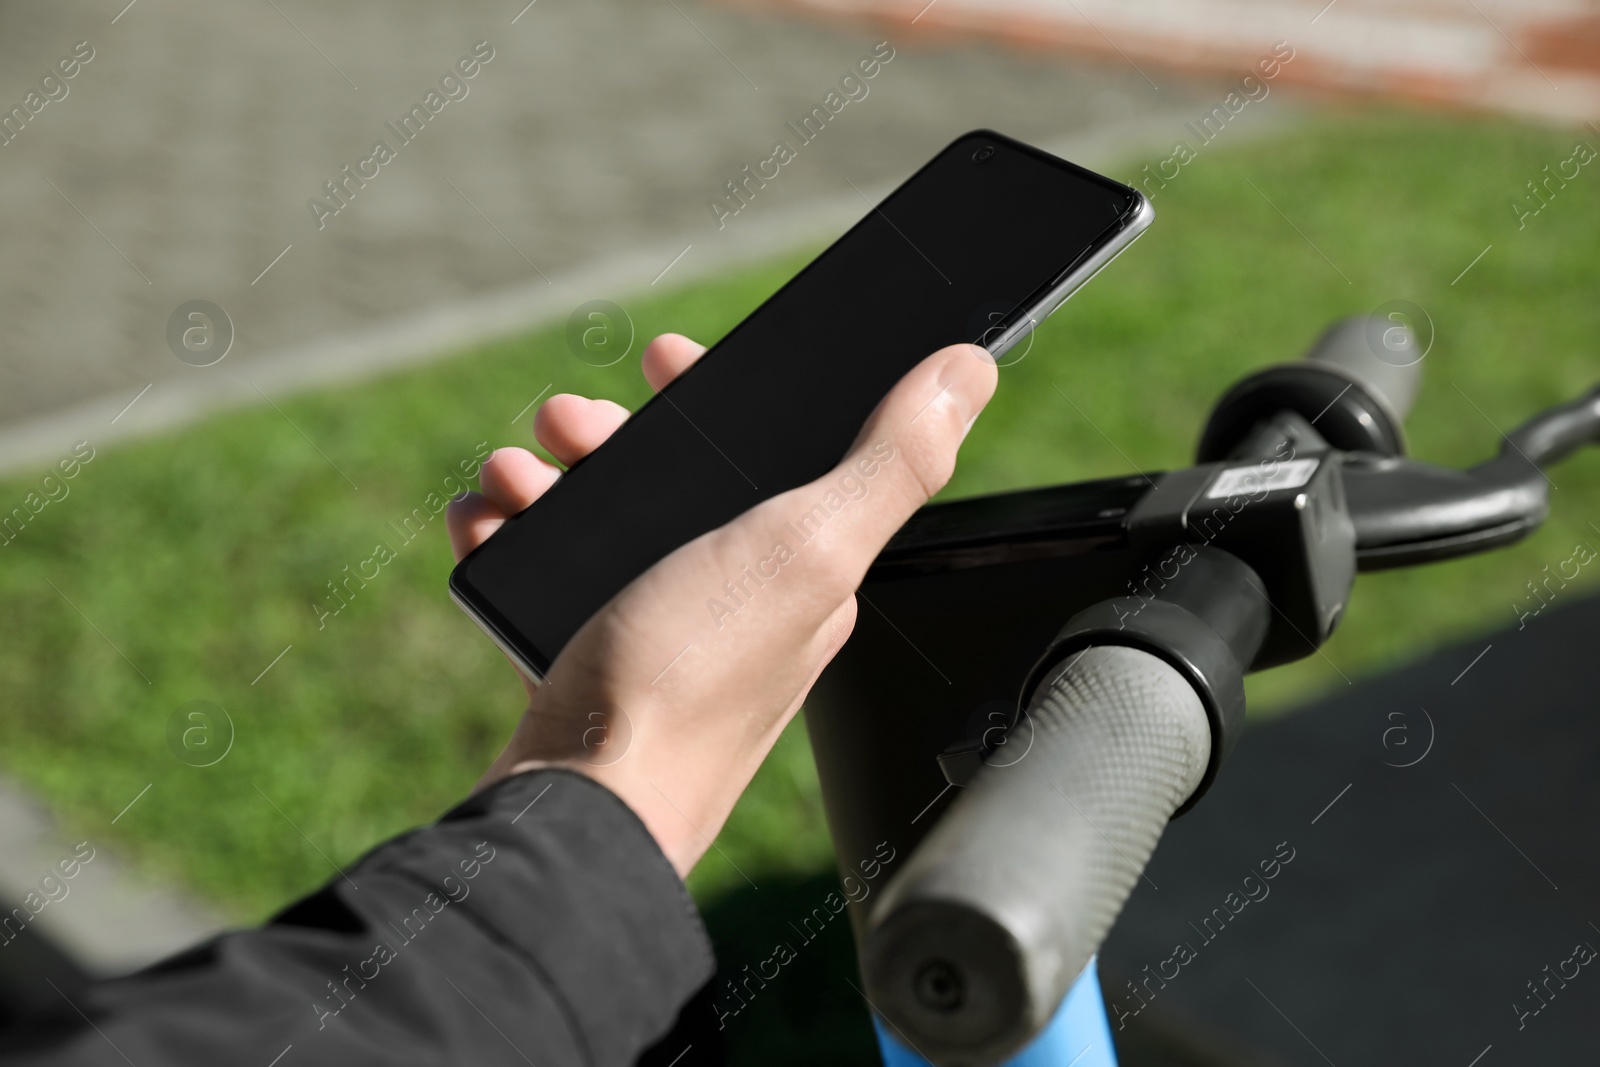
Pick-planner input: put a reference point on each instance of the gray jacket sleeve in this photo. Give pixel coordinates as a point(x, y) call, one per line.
point(536, 923)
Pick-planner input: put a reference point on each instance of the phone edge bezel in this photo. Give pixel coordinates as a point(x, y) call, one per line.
point(1128, 229)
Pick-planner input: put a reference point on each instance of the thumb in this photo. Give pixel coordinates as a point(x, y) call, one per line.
point(905, 453)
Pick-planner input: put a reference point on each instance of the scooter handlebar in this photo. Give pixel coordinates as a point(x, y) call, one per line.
point(977, 940)
point(1381, 354)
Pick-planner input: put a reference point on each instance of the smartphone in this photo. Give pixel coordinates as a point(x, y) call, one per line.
point(979, 245)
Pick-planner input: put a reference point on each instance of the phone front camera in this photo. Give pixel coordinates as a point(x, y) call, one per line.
point(983, 153)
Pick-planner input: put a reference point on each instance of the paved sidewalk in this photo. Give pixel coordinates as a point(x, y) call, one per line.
point(1538, 58)
point(180, 163)
point(85, 901)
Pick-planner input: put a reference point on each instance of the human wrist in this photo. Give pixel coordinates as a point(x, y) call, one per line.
point(668, 820)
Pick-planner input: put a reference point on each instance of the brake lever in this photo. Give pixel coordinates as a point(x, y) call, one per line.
point(1407, 512)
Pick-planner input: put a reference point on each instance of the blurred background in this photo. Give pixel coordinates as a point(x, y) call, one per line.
point(358, 339)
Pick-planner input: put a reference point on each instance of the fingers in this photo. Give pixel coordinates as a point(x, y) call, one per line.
point(512, 478)
point(470, 520)
point(573, 426)
point(570, 427)
point(667, 357)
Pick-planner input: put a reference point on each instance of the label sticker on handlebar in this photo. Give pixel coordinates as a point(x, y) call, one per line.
point(1262, 477)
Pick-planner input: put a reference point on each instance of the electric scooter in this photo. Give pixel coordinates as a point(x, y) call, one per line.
point(1040, 680)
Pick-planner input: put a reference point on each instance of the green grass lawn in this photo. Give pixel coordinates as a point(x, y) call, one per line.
point(199, 555)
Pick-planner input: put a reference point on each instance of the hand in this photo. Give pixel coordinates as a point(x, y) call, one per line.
point(674, 692)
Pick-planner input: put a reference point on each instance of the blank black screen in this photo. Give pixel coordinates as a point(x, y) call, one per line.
point(957, 249)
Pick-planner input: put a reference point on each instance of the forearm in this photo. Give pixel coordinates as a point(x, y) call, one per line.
point(537, 921)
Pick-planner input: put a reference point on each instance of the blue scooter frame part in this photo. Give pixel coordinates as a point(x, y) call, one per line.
point(1078, 1036)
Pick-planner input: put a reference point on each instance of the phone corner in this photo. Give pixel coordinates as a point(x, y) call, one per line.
point(1140, 214)
point(982, 133)
point(472, 605)
point(457, 582)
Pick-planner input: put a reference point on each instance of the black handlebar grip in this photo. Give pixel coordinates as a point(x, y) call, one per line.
point(976, 941)
point(1381, 353)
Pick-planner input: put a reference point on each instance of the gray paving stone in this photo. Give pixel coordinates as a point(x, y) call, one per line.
point(180, 163)
point(107, 920)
